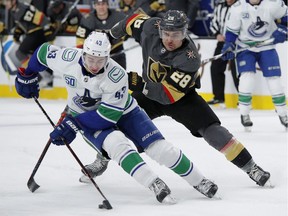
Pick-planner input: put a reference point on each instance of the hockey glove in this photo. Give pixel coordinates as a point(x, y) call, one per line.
point(17, 34)
point(27, 85)
point(280, 34)
point(65, 132)
point(228, 51)
point(135, 82)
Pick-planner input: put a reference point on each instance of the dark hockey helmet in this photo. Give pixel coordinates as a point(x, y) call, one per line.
point(56, 3)
point(174, 20)
point(55, 8)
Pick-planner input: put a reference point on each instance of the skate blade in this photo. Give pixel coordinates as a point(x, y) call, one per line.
point(248, 129)
point(85, 179)
point(218, 106)
point(169, 200)
point(217, 196)
point(269, 184)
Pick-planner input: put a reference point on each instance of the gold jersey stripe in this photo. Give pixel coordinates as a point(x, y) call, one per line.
point(172, 93)
point(131, 20)
point(232, 149)
point(38, 18)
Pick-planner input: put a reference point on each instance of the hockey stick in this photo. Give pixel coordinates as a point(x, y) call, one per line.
point(69, 11)
point(31, 184)
point(105, 204)
point(254, 45)
point(205, 61)
point(66, 17)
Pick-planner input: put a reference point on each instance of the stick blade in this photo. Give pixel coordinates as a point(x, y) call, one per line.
point(105, 205)
point(32, 185)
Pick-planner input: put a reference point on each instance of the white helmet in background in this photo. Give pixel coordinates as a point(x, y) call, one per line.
point(96, 47)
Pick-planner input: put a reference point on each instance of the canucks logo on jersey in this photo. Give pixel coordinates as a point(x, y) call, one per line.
point(258, 29)
point(86, 102)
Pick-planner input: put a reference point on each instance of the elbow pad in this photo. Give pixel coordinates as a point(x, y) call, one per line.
point(117, 31)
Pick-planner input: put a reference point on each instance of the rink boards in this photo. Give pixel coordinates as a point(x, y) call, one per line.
point(261, 98)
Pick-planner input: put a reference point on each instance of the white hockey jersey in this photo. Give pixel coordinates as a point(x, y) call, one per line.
point(106, 93)
point(255, 23)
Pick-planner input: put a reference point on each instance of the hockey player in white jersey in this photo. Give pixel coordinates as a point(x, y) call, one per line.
point(106, 114)
point(249, 22)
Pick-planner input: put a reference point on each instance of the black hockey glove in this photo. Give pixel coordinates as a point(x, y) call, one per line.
point(135, 81)
point(17, 34)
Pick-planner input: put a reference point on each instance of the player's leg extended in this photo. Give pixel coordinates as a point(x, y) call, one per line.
point(118, 148)
point(166, 154)
point(222, 140)
point(202, 121)
point(145, 135)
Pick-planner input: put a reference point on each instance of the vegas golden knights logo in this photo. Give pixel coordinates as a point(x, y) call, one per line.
point(157, 72)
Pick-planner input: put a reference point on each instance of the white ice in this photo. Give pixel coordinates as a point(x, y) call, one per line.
point(24, 131)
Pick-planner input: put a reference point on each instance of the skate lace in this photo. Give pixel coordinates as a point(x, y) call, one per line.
point(256, 173)
point(158, 186)
point(204, 186)
point(246, 118)
point(284, 119)
point(96, 165)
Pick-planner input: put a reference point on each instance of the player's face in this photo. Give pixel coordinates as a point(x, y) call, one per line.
point(128, 2)
point(10, 4)
point(101, 8)
point(172, 39)
point(94, 64)
point(230, 2)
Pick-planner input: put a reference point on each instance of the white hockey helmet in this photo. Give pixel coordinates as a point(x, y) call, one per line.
point(97, 44)
point(96, 51)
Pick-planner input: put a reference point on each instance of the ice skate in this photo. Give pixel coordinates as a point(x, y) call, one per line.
point(95, 169)
point(284, 121)
point(162, 192)
point(246, 122)
point(207, 188)
point(258, 175)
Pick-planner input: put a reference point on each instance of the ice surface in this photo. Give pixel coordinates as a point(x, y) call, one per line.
point(24, 131)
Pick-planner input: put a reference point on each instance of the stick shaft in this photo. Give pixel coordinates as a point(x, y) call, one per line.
point(72, 152)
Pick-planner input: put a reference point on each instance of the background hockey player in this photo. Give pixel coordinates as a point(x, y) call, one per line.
point(98, 100)
point(102, 18)
point(254, 21)
point(32, 29)
point(57, 12)
point(149, 7)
